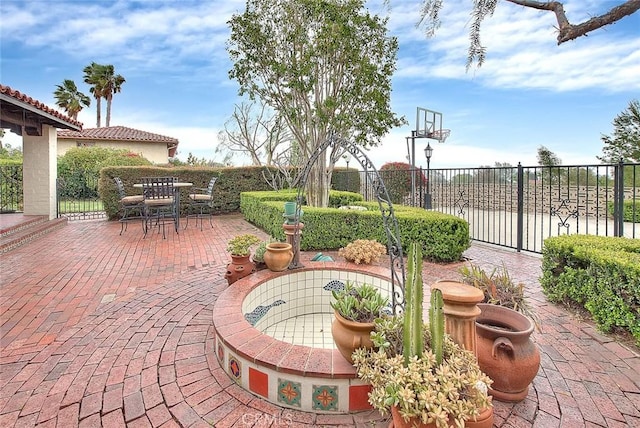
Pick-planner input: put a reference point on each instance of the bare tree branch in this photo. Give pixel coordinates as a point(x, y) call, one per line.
point(568, 31)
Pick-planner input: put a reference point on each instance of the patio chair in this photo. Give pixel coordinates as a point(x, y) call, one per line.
point(160, 203)
point(201, 204)
point(131, 207)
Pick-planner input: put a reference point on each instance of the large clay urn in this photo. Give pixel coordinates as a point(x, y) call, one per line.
point(278, 256)
point(350, 335)
point(239, 267)
point(505, 351)
point(483, 420)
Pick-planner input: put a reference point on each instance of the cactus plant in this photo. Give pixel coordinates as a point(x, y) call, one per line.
point(436, 324)
point(413, 342)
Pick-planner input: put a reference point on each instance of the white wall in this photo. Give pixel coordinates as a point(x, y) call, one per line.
point(39, 173)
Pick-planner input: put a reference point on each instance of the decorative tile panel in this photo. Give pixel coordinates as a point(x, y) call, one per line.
point(289, 392)
point(235, 368)
point(259, 382)
point(325, 397)
point(254, 316)
point(220, 352)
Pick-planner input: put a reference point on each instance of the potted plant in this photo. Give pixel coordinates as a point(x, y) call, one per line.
point(240, 249)
point(503, 333)
point(417, 372)
point(278, 255)
point(258, 255)
point(363, 251)
point(355, 308)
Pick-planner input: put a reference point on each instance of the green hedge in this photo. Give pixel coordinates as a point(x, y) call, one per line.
point(345, 179)
point(630, 210)
point(444, 237)
point(600, 273)
point(226, 193)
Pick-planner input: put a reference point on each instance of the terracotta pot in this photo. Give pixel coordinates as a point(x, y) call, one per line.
point(483, 420)
point(278, 256)
point(505, 351)
point(350, 335)
point(239, 267)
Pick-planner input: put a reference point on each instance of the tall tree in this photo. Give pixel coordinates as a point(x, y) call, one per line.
point(325, 66)
point(547, 158)
point(92, 77)
point(624, 144)
point(70, 99)
point(104, 83)
point(430, 20)
point(254, 131)
point(112, 85)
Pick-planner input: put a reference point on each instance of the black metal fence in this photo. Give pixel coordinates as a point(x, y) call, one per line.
point(11, 189)
point(78, 197)
point(519, 207)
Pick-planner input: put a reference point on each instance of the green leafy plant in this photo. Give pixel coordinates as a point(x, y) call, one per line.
point(417, 368)
point(499, 289)
point(241, 244)
point(360, 303)
point(363, 251)
point(258, 253)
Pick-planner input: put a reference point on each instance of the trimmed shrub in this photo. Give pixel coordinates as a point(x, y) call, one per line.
point(443, 237)
point(602, 274)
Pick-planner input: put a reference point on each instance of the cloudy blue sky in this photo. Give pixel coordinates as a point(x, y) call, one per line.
point(530, 92)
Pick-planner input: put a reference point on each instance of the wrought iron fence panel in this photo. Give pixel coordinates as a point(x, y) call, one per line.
point(11, 196)
point(78, 197)
point(519, 207)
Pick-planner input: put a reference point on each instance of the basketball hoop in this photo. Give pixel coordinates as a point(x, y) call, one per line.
point(440, 134)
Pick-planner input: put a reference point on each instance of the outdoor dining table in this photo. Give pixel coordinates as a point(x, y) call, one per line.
point(176, 190)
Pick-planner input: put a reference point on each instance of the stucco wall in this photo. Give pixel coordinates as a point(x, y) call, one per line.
point(154, 152)
point(39, 173)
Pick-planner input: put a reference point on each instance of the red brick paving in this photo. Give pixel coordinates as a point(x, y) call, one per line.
point(104, 330)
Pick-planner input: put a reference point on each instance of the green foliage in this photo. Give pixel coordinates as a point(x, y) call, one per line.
point(241, 244)
point(397, 180)
point(345, 179)
point(624, 144)
point(226, 194)
point(79, 168)
point(600, 273)
point(8, 153)
point(630, 210)
point(288, 53)
point(359, 303)
point(412, 341)
point(498, 288)
point(443, 237)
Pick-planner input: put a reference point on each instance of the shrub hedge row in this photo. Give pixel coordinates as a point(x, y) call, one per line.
point(231, 181)
point(600, 273)
point(630, 210)
point(444, 237)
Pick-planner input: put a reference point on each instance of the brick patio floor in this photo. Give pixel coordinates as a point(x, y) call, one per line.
point(104, 330)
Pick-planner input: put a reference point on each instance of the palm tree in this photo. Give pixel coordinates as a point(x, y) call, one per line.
point(112, 85)
point(93, 76)
point(70, 99)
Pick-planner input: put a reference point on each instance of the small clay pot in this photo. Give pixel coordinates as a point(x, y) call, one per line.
point(278, 256)
point(350, 335)
point(239, 267)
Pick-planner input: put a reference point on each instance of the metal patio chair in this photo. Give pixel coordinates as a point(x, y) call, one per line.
point(131, 207)
point(201, 204)
point(160, 203)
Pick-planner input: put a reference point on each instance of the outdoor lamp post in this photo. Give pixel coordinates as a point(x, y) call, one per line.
point(347, 158)
point(428, 152)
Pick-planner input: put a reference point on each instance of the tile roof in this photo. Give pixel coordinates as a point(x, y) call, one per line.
point(116, 133)
point(37, 104)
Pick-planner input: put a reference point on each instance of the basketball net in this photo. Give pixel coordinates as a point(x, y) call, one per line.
point(440, 134)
